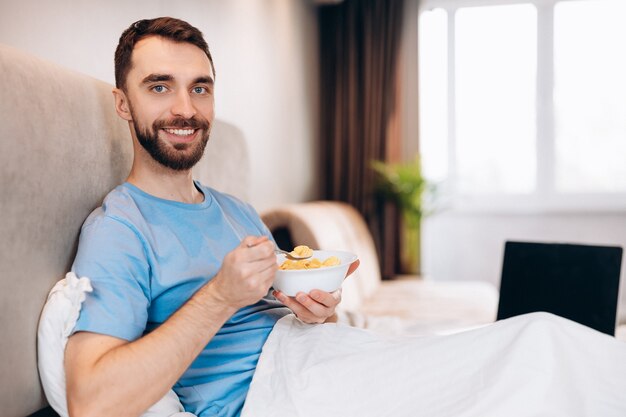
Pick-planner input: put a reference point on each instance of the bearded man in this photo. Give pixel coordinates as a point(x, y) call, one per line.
point(181, 297)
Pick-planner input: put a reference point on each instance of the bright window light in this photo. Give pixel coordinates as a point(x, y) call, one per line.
point(495, 67)
point(590, 96)
point(433, 92)
point(523, 103)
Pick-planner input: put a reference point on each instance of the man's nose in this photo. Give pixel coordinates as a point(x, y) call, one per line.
point(183, 106)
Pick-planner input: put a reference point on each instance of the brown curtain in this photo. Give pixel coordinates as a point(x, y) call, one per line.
point(359, 54)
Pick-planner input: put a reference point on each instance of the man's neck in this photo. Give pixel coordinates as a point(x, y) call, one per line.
point(165, 183)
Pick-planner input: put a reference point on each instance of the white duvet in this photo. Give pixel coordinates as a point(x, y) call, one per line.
point(532, 365)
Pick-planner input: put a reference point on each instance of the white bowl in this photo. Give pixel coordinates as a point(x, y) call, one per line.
point(328, 278)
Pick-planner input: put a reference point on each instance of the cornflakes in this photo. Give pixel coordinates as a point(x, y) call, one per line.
point(302, 251)
point(312, 263)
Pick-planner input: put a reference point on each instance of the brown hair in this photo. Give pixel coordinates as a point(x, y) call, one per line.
point(168, 27)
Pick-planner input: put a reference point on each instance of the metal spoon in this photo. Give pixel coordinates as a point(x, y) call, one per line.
point(292, 255)
point(240, 234)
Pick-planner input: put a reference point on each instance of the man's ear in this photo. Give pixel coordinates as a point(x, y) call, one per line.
point(121, 104)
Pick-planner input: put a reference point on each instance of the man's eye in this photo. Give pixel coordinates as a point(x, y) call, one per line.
point(200, 90)
point(159, 88)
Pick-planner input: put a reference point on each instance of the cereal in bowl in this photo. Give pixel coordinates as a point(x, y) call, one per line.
point(312, 263)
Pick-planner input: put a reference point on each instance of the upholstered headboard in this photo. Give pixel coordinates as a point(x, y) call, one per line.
point(62, 148)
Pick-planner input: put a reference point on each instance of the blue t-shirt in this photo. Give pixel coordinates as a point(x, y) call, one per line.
point(147, 256)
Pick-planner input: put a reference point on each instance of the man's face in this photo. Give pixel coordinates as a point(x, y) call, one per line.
point(170, 98)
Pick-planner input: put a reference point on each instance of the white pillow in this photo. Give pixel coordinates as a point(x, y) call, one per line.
point(57, 321)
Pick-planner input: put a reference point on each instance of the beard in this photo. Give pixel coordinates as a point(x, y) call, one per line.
point(180, 156)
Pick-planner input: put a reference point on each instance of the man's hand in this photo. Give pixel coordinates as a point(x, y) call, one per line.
point(317, 306)
point(247, 272)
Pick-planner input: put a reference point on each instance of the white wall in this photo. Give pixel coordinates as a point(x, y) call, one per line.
point(265, 54)
point(470, 246)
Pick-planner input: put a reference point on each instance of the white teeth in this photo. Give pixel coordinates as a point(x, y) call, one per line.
point(180, 132)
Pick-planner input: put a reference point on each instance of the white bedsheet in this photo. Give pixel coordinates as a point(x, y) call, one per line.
point(532, 365)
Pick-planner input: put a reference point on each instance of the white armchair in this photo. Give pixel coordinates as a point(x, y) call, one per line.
point(408, 303)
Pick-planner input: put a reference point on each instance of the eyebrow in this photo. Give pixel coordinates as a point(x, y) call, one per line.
point(153, 78)
point(204, 80)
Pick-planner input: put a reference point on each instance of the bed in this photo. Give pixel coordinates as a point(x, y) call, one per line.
point(63, 148)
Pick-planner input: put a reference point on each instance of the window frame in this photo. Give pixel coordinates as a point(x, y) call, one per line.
point(545, 198)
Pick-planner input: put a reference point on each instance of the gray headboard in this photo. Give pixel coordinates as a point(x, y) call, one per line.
point(62, 148)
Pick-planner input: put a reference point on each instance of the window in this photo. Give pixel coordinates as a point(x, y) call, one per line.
point(523, 103)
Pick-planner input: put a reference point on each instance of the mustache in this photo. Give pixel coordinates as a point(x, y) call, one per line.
point(182, 123)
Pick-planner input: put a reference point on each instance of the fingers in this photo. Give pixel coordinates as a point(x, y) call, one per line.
point(353, 267)
point(327, 299)
point(256, 248)
point(314, 307)
point(306, 309)
point(251, 241)
point(247, 272)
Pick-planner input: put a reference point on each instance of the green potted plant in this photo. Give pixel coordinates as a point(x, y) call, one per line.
point(404, 185)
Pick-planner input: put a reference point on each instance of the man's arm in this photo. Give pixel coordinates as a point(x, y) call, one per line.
point(107, 376)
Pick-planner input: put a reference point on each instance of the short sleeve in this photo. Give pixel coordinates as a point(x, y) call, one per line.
point(112, 255)
point(239, 211)
point(254, 216)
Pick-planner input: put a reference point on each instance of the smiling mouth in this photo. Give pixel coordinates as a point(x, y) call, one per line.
point(181, 132)
point(180, 135)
